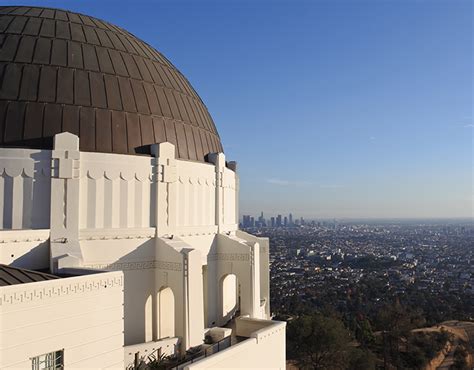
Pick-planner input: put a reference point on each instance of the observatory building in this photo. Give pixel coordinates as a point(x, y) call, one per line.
point(119, 239)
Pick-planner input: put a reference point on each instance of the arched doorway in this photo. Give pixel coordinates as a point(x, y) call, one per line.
point(166, 319)
point(229, 295)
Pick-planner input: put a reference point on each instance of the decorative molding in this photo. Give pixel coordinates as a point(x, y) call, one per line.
point(15, 171)
point(189, 233)
point(238, 257)
point(171, 266)
point(117, 234)
point(196, 230)
point(56, 288)
point(137, 265)
point(196, 180)
point(19, 236)
point(127, 174)
point(65, 163)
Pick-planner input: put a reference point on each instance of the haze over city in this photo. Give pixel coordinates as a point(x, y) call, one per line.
point(332, 109)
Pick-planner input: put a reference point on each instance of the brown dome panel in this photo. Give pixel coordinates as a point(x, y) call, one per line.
point(63, 71)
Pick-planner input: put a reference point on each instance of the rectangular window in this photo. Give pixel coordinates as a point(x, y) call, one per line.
point(48, 361)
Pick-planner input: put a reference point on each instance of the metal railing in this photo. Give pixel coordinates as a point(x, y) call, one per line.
point(157, 360)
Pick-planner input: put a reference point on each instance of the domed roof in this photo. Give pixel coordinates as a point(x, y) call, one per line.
point(63, 71)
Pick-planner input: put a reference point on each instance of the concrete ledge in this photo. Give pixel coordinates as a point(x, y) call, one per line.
point(264, 337)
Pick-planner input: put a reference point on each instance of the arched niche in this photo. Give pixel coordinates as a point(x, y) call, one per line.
point(230, 295)
point(166, 313)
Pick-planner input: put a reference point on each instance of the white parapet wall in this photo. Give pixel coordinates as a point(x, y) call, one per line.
point(25, 188)
point(118, 191)
point(115, 191)
point(25, 248)
point(264, 348)
point(81, 315)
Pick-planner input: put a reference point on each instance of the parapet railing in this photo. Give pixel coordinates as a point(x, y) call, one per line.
point(203, 353)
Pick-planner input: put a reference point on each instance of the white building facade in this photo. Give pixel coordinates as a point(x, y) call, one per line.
point(147, 246)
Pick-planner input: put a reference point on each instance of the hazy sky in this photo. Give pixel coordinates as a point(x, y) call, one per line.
point(331, 108)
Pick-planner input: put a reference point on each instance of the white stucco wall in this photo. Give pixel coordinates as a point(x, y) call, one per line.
point(264, 250)
point(264, 348)
point(115, 191)
point(134, 255)
point(82, 315)
point(25, 188)
point(25, 248)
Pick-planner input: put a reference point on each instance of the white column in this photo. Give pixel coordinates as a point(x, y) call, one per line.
point(64, 237)
point(165, 177)
point(255, 280)
point(237, 189)
point(219, 161)
point(193, 298)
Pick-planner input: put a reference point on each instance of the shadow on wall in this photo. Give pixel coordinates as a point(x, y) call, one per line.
point(37, 258)
point(139, 287)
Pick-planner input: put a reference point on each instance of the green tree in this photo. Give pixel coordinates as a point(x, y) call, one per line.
point(361, 360)
point(318, 342)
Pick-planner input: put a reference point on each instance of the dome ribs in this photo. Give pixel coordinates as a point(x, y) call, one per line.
point(17, 25)
point(119, 133)
point(29, 83)
point(90, 58)
point(65, 71)
point(34, 121)
point(71, 119)
point(62, 30)
point(87, 128)
point(14, 121)
point(9, 47)
point(98, 94)
point(33, 26)
point(42, 51)
point(48, 28)
point(103, 130)
point(26, 49)
point(65, 95)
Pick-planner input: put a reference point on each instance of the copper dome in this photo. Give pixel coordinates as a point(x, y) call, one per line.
point(63, 71)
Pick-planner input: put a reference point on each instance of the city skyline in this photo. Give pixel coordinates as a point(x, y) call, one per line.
point(332, 109)
point(297, 218)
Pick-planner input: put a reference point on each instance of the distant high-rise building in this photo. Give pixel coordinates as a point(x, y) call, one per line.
point(261, 220)
point(278, 221)
point(246, 221)
point(285, 221)
point(290, 219)
point(272, 221)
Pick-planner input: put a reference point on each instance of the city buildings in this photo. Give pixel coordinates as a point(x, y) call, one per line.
point(278, 221)
point(118, 215)
point(420, 263)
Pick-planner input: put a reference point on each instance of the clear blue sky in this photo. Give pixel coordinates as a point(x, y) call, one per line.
point(331, 108)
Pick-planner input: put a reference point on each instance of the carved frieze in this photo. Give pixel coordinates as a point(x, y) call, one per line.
point(137, 265)
point(54, 290)
point(237, 257)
